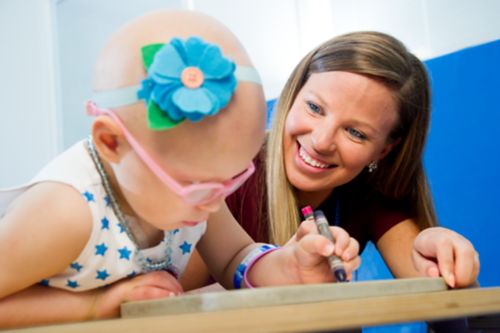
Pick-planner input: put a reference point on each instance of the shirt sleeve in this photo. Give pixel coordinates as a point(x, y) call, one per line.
point(384, 216)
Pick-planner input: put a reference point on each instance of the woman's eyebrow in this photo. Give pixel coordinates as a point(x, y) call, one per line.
point(317, 96)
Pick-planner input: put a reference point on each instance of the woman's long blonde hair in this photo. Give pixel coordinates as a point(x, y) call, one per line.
point(400, 174)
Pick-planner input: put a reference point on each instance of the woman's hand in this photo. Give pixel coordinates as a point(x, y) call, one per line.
point(158, 284)
point(440, 251)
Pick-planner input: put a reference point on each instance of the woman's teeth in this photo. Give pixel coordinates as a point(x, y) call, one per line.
point(309, 160)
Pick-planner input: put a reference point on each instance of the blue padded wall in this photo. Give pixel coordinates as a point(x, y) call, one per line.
point(462, 157)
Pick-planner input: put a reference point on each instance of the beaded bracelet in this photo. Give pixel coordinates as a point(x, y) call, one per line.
point(247, 262)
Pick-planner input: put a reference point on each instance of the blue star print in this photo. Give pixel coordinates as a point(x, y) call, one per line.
point(76, 266)
point(124, 253)
point(185, 247)
point(104, 223)
point(102, 275)
point(89, 196)
point(107, 201)
point(122, 229)
point(175, 231)
point(100, 249)
point(131, 275)
point(72, 284)
point(44, 282)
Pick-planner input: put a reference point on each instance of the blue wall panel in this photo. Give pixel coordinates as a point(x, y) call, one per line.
point(462, 157)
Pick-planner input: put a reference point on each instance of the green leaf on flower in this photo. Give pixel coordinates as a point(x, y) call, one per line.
point(159, 120)
point(148, 53)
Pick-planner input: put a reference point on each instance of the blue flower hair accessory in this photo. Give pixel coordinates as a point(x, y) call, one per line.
point(188, 79)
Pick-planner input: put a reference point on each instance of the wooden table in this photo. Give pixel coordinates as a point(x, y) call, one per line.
point(361, 310)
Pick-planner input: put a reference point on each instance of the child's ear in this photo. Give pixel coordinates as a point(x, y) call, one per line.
point(108, 139)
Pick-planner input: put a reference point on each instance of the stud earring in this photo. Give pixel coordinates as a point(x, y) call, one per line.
point(372, 166)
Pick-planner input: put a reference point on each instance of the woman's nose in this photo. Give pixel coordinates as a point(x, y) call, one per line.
point(323, 139)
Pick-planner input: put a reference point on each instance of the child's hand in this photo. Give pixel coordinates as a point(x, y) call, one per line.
point(440, 251)
point(151, 285)
point(310, 249)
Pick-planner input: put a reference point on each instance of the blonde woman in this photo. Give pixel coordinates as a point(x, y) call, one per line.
point(347, 137)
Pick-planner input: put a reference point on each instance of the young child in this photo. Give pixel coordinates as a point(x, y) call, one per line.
point(117, 215)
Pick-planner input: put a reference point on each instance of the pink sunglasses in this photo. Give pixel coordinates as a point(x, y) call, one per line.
point(193, 194)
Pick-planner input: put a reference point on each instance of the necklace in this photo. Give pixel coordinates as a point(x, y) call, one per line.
point(146, 263)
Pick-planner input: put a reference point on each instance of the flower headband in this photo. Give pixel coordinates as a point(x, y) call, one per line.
point(185, 79)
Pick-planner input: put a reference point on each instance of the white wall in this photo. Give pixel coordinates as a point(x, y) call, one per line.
point(428, 27)
point(28, 123)
point(36, 34)
point(82, 28)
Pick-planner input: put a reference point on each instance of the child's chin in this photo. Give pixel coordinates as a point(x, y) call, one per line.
point(190, 223)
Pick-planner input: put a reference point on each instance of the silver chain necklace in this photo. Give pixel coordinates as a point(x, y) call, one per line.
point(146, 263)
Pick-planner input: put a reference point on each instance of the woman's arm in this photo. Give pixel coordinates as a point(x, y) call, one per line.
point(434, 252)
point(396, 247)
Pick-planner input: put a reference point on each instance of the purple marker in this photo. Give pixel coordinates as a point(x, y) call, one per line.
point(334, 261)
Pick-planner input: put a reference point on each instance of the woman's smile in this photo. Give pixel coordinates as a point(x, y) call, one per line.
point(308, 163)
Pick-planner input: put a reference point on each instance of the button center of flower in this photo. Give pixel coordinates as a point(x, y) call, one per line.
point(192, 77)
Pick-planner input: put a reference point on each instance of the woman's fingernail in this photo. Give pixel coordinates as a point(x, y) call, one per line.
point(451, 280)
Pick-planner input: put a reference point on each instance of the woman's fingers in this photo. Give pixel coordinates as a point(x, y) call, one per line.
point(316, 247)
point(467, 263)
point(447, 252)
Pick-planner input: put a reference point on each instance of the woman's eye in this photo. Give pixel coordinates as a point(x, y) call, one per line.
point(313, 107)
point(356, 134)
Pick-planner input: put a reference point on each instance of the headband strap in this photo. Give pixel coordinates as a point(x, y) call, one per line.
point(186, 79)
point(128, 95)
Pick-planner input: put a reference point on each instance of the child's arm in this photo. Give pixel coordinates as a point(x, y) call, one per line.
point(440, 251)
point(43, 231)
point(44, 305)
point(39, 305)
point(301, 260)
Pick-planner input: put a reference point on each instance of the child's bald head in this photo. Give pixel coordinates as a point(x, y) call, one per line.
point(120, 63)
point(228, 139)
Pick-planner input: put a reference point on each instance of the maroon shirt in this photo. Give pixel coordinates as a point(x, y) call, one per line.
point(365, 215)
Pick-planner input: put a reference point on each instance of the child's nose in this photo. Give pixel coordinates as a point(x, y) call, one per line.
point(212, 206)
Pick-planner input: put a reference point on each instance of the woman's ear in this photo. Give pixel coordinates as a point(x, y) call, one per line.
point(388, 148)
point(108, 139)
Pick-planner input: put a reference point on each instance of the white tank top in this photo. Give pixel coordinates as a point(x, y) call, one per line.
point(109, 255)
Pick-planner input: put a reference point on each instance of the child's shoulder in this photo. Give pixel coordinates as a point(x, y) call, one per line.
point(48, 225)
point(69, 175)
point(73, 166)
